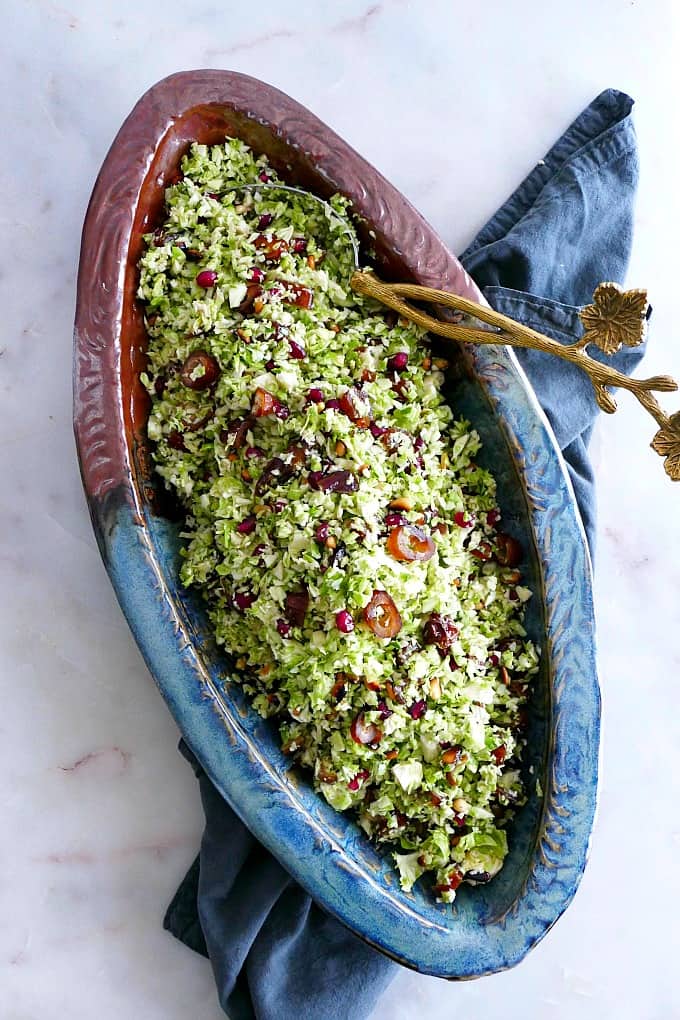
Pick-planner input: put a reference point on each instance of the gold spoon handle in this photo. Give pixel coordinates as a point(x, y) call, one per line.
point(616, 317)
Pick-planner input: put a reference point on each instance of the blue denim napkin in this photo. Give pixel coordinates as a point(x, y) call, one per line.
point(275, 954)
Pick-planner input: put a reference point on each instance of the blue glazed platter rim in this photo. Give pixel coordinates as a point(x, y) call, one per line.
point(327, 856)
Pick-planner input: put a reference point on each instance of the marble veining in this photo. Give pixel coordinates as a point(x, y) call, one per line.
point(100, 813)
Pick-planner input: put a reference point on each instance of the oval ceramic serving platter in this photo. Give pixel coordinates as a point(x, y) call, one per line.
point(489, 927)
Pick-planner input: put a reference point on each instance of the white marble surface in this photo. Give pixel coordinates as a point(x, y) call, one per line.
point(100, 815)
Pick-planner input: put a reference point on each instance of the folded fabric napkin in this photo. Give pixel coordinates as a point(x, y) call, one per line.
point(275, 954)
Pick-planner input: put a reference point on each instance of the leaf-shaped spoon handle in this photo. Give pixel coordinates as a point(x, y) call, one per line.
point(614, 318)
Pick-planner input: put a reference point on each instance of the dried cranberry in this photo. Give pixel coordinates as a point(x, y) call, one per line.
point(493, 517)
point(254, 451)
point(315, 395)
point(264, 220)
point(244, 599)
point(297, 604)
point(321, 532)
point(297, 352)
point(462, 519)
point(418, 443)
point(199, 371)
point(440, 631)
point(206, 278)
point(417, 709)
point(263, 176)
point(385, 712)
point(299, 245)
point(159, 384)
point(344, 621)
point(283, 627)
point(376, 430)
point(247, 526)
point(398, 362)
point(333, 405)
point(395, 520)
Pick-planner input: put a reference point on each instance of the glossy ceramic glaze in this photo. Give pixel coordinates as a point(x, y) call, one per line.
point(491, 927)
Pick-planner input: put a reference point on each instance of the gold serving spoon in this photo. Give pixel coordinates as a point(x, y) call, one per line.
point(616, 317)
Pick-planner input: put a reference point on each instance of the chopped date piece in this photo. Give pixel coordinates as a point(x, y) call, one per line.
point(355, 404)
point(382, 615)
point(176, 440)
point(334, 481)
point(363, 732)
point(499, 754)
point(298, 295)
point(199, 371)
point(264, 403)
point(253, 292)
point(297, 604)
point(483, 552)
point(410, 544)
point(272, 247)
point(198, 421)
point(508, 550)
point(236, 432)
point(440, 631)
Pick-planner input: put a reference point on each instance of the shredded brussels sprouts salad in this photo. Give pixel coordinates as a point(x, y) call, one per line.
point(348, 546)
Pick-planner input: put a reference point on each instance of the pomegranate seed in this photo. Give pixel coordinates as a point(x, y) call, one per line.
point(206, 278)
point(462, 520)
point(344, 621)
point(376, 430)
point(398, 362)
point(256, 275)
point(247, 526)
point(321, 532)
point(283, 628)
point(244, 599)
point(264, 221)
point(417, 709)
point(296, 351)
point(299, 245)
point(493, 517)
point(365, 733)
point(315, 395)
point(333, 405)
